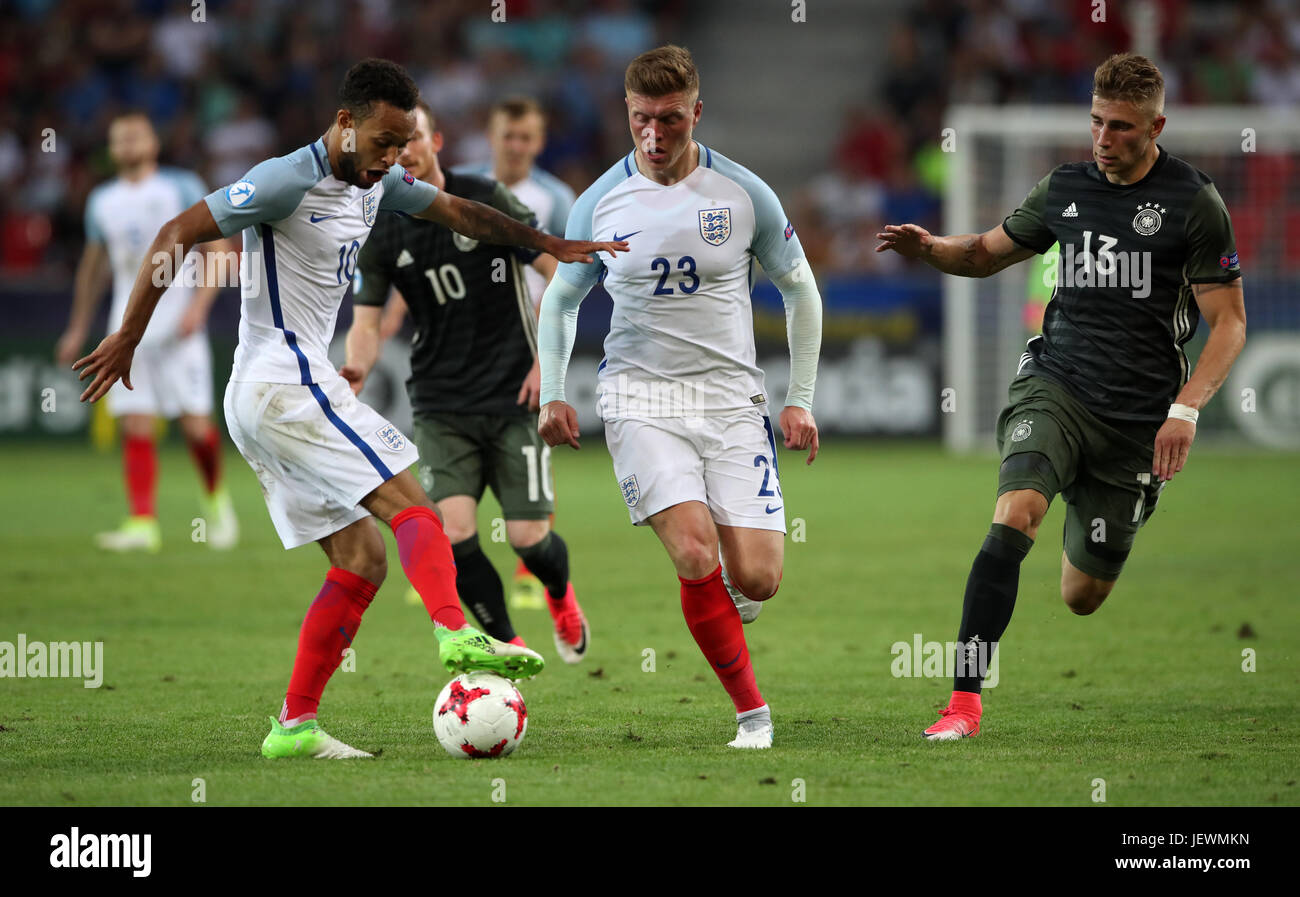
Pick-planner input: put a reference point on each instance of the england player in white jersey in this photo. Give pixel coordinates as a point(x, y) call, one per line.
point(327, 462)
point(172, 370)
point(517, 135)
point(683, 402)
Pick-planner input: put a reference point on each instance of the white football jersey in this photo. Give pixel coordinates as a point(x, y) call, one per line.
point(681, 338)
point(303, 229)
point(126, 216)
point(551, 201)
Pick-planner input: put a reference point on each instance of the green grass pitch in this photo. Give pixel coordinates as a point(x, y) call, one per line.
point(1149, 694)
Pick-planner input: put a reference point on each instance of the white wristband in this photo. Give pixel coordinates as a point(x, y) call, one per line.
point(1184, 412)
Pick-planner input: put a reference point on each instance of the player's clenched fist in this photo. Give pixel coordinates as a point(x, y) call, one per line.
point(908, 240)
point(558, 424)
point(800, 430)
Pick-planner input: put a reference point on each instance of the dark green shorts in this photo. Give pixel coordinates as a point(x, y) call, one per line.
point(1051, 443)
point(461, 454)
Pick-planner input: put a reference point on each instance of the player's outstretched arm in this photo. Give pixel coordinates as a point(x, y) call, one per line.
point(1224, 309)
point(486, 224)
point(966, 255)
point(111, 360)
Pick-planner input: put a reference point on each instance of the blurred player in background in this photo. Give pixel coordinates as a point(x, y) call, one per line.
point(473, 385)
point(517, 136)
point(683, 403)
point(1102, 409)
point(327, 462)
point(172, 370)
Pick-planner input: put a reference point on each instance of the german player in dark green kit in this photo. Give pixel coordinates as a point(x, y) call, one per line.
point(1103, 408)
point(473, 387)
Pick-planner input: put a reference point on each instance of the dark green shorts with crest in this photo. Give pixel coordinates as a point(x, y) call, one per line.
point(462, 454)
point(1051, 443)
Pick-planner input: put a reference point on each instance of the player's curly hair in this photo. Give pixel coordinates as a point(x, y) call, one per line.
point(664, 70)
point(373, 81)
point(1133, 79)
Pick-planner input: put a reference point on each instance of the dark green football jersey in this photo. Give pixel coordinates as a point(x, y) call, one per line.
point(1122, 308)
point(475, 329)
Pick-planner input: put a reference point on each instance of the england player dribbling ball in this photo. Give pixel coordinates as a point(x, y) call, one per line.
point(327, 462)
point(1102, 409)
point(684, 405)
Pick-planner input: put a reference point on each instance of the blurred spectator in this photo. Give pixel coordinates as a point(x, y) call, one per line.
point(237, 145)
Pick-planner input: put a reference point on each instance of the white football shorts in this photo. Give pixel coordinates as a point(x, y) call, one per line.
point(316, 450)
point(726, 461)
point(169, 380)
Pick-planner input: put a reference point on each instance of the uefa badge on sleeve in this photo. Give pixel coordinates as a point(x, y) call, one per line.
point(240, 193)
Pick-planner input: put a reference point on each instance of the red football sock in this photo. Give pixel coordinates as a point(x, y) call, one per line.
point(207, 456)
point(716, 627)
point(140, 466)
point(329, 627)
point(428, 564)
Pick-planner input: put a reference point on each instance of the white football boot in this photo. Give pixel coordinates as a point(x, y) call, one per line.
point(754, 729)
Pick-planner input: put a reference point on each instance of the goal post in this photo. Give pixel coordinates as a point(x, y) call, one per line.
point(998, 153)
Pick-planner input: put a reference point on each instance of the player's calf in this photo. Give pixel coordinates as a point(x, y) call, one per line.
point(1082, 593)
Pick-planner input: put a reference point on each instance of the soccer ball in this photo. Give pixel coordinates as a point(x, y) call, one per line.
point(480, 715)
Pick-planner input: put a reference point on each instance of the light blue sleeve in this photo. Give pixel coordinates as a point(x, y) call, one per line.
point(94, 233)
point(563, 197)
point(188, 184)
point(775, 244)
point(271, 191)
point(584, 275)
point(403, 192)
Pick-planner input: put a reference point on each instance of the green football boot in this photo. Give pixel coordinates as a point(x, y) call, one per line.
point(306, 740)
point(467, 650)
point(135, 534)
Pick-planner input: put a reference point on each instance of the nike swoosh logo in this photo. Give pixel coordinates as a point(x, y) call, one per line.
point(772, 510)
point(316, 220)
point(723, 666)
point(616, 237)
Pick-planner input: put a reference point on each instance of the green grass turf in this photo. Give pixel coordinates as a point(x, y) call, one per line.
point(1148, 693)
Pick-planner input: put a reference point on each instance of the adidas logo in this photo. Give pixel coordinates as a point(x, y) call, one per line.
point(1070, 212)
point(404, 258)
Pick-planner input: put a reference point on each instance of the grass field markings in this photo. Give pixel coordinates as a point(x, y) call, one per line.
point(941, 660)
point(53, 660)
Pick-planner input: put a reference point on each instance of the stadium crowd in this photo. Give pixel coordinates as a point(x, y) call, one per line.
point(253, 78)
